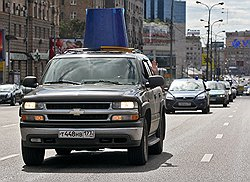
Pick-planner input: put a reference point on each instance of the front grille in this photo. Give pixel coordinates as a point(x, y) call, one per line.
point(184, 98)
point(78, 105)
point(2, 96)
point(81, 117)
point(191, 105)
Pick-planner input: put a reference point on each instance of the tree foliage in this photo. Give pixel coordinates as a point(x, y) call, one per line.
point(72, 29)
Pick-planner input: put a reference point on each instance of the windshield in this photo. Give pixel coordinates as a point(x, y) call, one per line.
point(4, 88)
point(216, 86)
point(186, 86)
point(92, 70)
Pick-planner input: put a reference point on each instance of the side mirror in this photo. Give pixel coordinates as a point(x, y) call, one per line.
point(154, 81)
point(30, 81)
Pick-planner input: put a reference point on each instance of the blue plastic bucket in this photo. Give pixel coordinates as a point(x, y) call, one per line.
point(105, 27)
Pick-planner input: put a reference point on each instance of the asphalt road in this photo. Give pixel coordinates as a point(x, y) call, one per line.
point(198, 147)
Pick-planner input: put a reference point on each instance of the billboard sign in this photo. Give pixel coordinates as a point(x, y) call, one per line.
point(217, 44)
point(193, 32)
point(61, 45)
point(237, 43)
point(204, 61)
point(2, 51)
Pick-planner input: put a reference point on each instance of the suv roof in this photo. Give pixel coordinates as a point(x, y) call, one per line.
point(103, 51)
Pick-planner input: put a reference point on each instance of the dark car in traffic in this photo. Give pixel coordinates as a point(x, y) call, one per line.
point(187, 94)
point(219, 93)
point(10, 93)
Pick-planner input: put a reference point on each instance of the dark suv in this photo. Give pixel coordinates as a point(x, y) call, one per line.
point(91, 100)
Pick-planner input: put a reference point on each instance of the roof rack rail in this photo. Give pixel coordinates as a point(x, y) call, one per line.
point(103, 49)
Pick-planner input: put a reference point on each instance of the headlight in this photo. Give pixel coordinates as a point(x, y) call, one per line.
point(125, 105)
point(222, 95)
point(8, 95)
point(169, 97)
point(201, 96)
point(33, 105)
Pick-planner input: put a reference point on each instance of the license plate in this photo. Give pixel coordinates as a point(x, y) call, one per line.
point(184, 103)
point(88, 134)
point(212, 99)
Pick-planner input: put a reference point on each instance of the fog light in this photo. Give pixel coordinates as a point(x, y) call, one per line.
point(133, 117)
point(32, 118)
point(36, 140)
point(38, 118)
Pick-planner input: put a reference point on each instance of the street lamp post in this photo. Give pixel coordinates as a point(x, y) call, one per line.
point(171, 39)
point(217, 58)
point(211, 52)
point(9, 32)
point(208, 30)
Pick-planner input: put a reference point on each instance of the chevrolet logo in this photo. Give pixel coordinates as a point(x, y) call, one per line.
point(77, 112)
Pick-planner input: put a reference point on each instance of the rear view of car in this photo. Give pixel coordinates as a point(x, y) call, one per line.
point(187, 94)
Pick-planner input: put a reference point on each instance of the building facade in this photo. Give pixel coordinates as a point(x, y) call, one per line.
point(194, 52)
point(74, 9)
point(237, 56)
point(156, 39)
point(28, 26)
point(161, 10)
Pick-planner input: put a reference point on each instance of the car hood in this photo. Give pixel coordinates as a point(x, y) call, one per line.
point(217, 92)
point(186, 94)
point(64, 92)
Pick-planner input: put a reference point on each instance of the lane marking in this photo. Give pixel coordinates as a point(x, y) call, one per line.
point(8, 157)
point(219, 136)
point(234, 111)
point(207, 158)
point(226, 124)
point(230, 116)
point(10, 125)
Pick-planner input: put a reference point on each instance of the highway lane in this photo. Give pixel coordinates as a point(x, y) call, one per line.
point(198, 147)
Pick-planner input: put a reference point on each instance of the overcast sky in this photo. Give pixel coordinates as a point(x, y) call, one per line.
point(236, 16)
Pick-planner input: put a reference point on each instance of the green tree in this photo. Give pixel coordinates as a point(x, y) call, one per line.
point(72, 29)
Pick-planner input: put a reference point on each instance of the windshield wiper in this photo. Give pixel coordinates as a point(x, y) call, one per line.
point(102, 81)
point(63, 81)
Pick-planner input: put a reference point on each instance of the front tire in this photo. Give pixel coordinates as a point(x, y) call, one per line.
point(32, 156)
point(206, 110)
point(139, 155)
point(13, 101)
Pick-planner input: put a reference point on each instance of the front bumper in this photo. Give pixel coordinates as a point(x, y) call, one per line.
point(5, 100)
point(104, 138)
point(191, 104)
point(217, 100)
